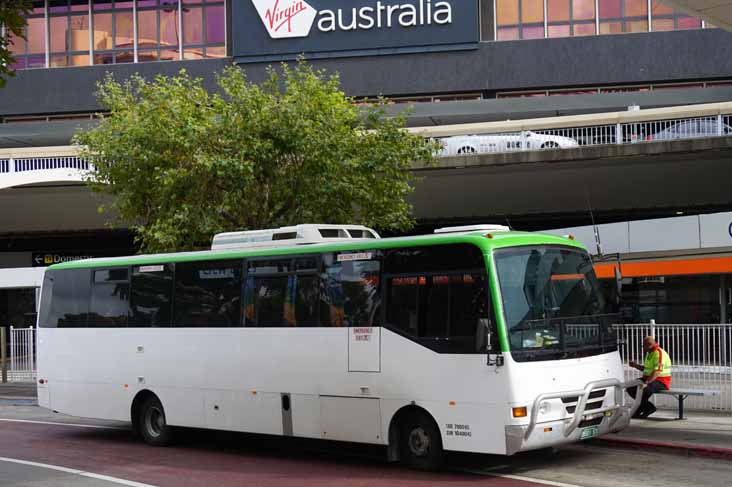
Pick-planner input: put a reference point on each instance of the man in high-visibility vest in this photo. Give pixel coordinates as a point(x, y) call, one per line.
point(656, 375)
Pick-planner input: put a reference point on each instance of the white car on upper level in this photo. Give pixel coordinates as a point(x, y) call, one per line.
point(516, 141)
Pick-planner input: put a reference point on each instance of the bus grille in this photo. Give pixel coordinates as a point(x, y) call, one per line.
point(571, 402)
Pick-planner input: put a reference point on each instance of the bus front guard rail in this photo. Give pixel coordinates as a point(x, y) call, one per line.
point(583, 396)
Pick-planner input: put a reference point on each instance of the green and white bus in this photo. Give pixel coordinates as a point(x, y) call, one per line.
point(474, 339)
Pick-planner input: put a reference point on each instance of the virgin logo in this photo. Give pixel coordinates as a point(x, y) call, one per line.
point(286, 18)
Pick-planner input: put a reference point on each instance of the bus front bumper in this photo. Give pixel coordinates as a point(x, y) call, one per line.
point(612, 418)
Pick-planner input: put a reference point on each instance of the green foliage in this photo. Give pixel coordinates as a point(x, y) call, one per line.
point(12, 16)
point(182, 163)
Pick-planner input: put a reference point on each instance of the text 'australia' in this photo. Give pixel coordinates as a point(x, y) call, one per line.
point(381, 16)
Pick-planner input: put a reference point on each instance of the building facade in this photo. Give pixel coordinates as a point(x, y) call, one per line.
point(505, 59)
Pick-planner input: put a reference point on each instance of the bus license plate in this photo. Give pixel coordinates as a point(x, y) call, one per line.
point(590, 432)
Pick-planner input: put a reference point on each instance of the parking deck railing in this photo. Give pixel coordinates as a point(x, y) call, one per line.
point(616, 128)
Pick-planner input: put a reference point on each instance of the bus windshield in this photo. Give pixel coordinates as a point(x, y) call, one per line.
point(552, 303)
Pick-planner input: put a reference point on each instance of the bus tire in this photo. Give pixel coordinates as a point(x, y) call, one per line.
point(152, 424)
point(420, 442)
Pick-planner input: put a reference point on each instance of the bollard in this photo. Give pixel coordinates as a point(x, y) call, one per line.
point(3, 357)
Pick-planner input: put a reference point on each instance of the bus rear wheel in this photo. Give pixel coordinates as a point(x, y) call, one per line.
point(152, 424)
point(420, 443)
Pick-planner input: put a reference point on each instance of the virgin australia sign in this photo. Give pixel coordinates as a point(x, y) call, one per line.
point(266, 30)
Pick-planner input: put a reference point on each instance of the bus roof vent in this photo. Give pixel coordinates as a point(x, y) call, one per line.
point(473, 228)
point(288, 236)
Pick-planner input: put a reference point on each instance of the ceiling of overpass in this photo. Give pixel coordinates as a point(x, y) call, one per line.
point(50, 208)
point(718, 12)
point(681, 181)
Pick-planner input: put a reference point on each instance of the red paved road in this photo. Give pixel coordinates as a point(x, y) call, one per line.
point(213, 460)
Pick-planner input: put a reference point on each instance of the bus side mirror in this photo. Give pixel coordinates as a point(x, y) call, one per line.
point(486, 336)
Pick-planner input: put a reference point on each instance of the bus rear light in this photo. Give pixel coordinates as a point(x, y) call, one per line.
point(520, 412)
point(452, 403)
point(41, 381)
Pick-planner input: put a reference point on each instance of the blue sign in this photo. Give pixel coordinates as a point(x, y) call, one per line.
point(275, 30)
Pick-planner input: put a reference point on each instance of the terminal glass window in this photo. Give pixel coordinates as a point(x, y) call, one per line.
point(30, 53)
point(618, 16)
point(519, 19)
point(68, 27)
point(570, 18)
point(672, 299)
point(531, 19)
point(81, 32)
point(664, 18)
point(204, 29)
point(113, 32)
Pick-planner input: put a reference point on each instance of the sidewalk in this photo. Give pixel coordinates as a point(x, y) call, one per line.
point(18, 393)
point(700, 434)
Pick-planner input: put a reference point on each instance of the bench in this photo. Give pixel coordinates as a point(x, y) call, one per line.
point(682, 394)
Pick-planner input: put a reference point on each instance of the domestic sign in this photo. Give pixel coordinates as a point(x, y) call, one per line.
point(274, 30)
point(44, 259)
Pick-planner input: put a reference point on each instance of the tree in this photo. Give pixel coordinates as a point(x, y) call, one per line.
point(12, 18)
point(183, 164)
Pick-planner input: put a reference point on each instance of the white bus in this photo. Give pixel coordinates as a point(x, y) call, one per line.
point(472, 339)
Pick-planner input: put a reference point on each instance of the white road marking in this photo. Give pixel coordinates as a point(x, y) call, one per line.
point(73, 471)
point(77, 425)
point(522, 478)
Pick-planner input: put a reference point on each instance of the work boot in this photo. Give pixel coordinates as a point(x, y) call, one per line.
point(649, 410)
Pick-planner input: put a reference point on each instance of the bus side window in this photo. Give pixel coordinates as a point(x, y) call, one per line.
point(267, 287)
point(207, 294)
point(306, 301)
point(439, 296)
point(69, 306)
point(350, 294)
point(151, 295)
point(110, 298)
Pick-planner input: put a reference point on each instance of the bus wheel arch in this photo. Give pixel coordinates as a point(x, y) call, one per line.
point(421, 422)
point(148, 419)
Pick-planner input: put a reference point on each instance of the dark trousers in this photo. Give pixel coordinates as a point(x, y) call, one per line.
point(646, 407)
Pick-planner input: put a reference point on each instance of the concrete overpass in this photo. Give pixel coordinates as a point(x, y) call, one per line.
point(537, 187)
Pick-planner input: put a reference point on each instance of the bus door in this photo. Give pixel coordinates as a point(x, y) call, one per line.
point(364, 349)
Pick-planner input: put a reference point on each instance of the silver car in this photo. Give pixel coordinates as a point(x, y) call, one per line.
point(516, 141)
point(691, 129)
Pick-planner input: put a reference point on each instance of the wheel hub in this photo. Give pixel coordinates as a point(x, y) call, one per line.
point(419, 442)
point(155, 421)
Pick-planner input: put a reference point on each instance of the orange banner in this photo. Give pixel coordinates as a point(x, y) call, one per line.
point(678, 267)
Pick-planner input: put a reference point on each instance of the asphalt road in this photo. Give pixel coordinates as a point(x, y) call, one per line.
point(106, 454)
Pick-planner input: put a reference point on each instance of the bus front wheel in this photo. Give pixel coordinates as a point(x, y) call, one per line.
point(152, 425)
point(420, 443)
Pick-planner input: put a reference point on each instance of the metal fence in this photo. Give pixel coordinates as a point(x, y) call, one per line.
point(538, 138)
point(22, 355)
point(701, 357)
